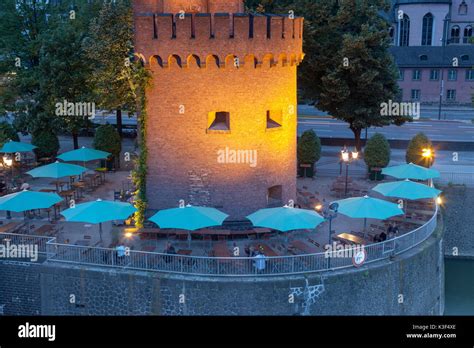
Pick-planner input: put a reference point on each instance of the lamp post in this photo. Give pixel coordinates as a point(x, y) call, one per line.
point(348, 157)
point(428, 156)
point(331, 214)
point(8, 162)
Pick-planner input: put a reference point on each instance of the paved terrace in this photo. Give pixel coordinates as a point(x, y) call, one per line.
point(220, 252)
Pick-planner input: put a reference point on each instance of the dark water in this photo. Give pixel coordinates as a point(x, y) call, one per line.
point(459, 287)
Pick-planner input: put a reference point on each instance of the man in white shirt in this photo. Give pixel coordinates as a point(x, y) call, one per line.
point(260, 262)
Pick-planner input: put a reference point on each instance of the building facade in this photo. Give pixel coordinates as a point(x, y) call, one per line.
point(432, 45)
point(221, 128)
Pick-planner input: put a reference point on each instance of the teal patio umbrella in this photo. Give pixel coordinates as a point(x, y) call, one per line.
point(368, 208)
point(83, 155)
point(189, 218)
point(15, 146)
point(99, 211)
point(28, 200)
point(286, 219)
point(57, 170)
point(411, 171)
point(407, 189)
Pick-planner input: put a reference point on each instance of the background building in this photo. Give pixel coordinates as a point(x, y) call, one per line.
point(433, 49)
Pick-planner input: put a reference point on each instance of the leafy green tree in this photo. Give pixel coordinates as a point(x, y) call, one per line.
point(348, 70)
point(377, 152)
point(417, 146)
point(7, 133)
point(109, 48)
point(65, 79)
point(47, 143)
point(309, 148)
point(107, 139)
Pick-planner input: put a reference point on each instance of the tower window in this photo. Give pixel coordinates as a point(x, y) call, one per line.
point(274, 119)
point(219, 121)
point(275, 196)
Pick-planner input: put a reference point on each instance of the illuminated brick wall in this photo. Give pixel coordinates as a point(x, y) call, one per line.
point(205, 63)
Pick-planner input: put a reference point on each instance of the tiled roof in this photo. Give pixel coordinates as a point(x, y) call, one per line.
point(436, 56)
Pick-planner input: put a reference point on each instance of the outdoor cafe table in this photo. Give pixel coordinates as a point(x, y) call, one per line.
point(8, 227)
point(44, 230)
point(79, 186)
point(59, 183)
point(101, 172)
point(307, 249)
point(350, 239)
point(66, 194)
point(184, 252)
point(267, 251)
point(48, 190)
point(221, 250)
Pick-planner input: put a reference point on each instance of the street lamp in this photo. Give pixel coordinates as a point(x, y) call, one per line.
point(8, 162)
point(347, 158)
point(331, 214)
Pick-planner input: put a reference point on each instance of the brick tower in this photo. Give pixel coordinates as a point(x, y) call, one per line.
point(222, 109)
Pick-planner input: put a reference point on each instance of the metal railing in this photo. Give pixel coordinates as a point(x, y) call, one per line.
point(26, 240)
point(233, 266)
point(446, 178)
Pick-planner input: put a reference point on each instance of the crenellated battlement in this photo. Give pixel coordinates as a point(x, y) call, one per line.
point(167, 39)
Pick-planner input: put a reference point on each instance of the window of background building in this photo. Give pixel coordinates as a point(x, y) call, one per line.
point(467, 34)
point(451, 95)
point(470, 75)
point(405, 31)
point(415, 94)
point(427, 32)
point(416, 75)
point(462, 8)
point(434, 74)
point(452, 75)
point(455, 32)
point(401, 74)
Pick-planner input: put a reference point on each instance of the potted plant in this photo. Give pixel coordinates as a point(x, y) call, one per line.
point(309, 152)
point(107, 139)
point(417, 147)
point(377, 156)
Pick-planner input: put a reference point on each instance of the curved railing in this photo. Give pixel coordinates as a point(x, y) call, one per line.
point(215, 266)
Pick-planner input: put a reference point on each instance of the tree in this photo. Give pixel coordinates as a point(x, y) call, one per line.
point(377, 152)
point(28, 33)
point(7, 132)
point(107, 139)
point(417, 147)
point(348, 70)
point(109, 48)
point(65, 80)
point(47, 143)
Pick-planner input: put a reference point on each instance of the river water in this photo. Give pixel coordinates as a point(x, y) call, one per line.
point(459, 287)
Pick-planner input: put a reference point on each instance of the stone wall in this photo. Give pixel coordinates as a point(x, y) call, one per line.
point(410, 284)
point(459, 235)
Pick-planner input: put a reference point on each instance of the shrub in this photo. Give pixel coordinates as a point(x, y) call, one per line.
point(309, 148)
point(377, 152)
point(7, 133)
point(415, 150)
point(47, 143)
point(107, 139)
